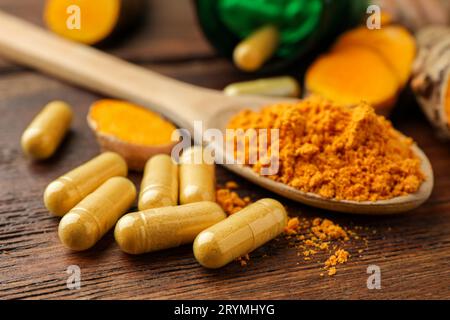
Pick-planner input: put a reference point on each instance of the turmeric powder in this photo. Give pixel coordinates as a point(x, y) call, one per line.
point(336, 152)
point(312, 236)
point(327, 230)
point(332, 271)
point(130, 123)
point(132, 131)
point(229, 200)
point(319, 235)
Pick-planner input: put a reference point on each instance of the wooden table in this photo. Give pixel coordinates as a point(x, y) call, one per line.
point(412, 250)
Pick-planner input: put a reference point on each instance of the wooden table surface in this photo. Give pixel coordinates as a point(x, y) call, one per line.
point(412, 250)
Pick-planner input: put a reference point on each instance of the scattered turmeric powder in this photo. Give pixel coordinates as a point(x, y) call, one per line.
point(332, 271)
point(229, 200)
point(310, 235)
point(335, 151)
point(316, 235)
point(326, 230)
point(231, 185)
point(340, 256)
point(244, 260)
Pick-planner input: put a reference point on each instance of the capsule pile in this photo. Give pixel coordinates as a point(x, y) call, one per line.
point(176, 204)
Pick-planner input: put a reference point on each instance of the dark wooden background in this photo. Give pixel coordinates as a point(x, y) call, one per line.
point(412, 250)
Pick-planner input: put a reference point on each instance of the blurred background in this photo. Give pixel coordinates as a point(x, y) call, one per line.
point(215, 43)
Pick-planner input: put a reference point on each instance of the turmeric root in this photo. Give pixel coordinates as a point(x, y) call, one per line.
point(91, 22)
point(394, 44)
point(365, 65)
point(351, 75)
point(431, 76)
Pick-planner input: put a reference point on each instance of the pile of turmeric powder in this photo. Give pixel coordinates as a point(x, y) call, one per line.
point(310, 236)
point(132, 131)
point(335, 151)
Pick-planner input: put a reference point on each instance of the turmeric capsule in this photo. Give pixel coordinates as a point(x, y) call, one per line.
point(276, 87)
point(167, 227)
point(197, 177)
point(159, 187)
point(45, 133)
point(65, 192)
point(251, 53)
point(240, 234)
point(85, 224)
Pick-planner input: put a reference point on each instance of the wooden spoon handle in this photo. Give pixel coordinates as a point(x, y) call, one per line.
point(87, 67)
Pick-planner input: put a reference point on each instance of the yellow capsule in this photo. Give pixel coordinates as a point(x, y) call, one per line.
point(276, 87)
point(159, 187)
point(65, 192)
point(197, 177)
point(45, 133)
point(167, 227)
point(251, 53)
point(85, 224)
point(240, 234)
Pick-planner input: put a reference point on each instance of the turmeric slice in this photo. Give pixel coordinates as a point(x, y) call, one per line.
point(394, 44)
point(351, 75)
point(132, 131)
point(89, 21)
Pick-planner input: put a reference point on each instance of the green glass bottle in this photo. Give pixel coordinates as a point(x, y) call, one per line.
point(304, 25)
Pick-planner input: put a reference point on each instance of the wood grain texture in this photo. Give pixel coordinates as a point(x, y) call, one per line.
point(412, 250)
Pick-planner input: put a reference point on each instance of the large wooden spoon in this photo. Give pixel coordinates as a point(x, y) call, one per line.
point(29, 45)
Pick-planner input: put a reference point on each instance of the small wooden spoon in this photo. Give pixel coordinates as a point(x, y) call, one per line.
point(183, 103)
point(136, 155)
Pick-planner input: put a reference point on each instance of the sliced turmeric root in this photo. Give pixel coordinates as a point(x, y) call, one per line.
point(90, 21)
point(354, 74)
point(394, 43)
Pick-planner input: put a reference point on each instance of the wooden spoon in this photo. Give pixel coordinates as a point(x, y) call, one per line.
point(29, 45)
